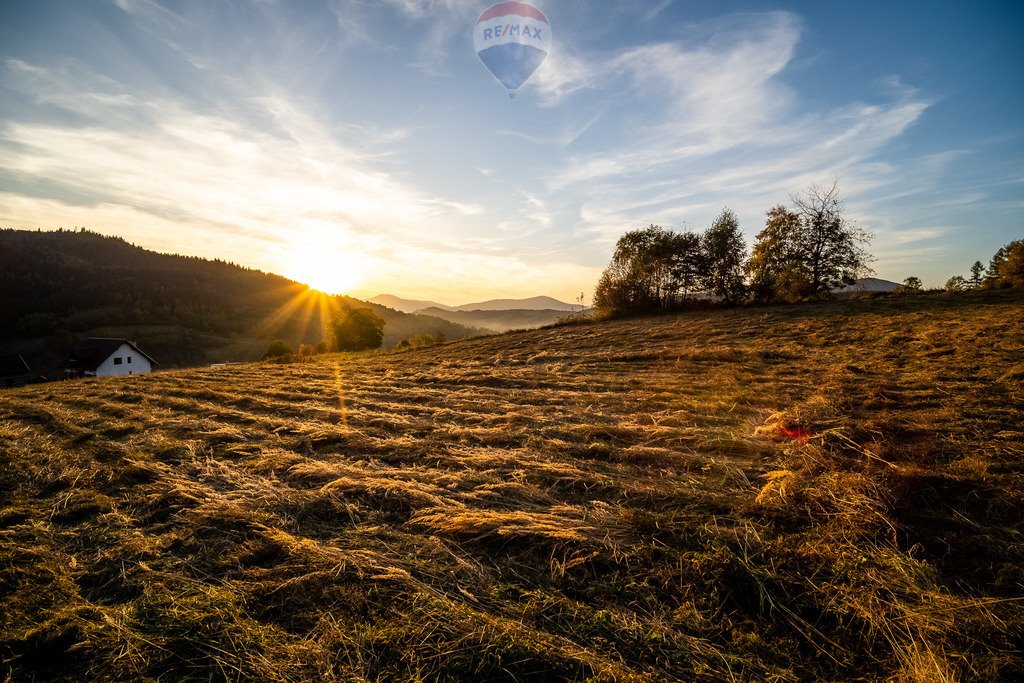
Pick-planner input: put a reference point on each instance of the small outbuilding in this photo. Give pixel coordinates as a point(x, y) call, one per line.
point(104, 357)
point(14, 371)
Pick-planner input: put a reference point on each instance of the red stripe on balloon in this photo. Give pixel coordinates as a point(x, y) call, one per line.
point(518, 8)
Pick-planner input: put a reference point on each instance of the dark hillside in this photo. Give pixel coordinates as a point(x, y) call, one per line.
point(827, 492)
point(57, 287)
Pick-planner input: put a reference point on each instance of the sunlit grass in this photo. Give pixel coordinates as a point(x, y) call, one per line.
point(805, 492)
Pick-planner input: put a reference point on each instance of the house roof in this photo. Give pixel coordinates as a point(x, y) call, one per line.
point(90, 355)
point(13, 365)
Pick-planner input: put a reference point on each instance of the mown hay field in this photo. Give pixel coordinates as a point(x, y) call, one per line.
point(815, 492)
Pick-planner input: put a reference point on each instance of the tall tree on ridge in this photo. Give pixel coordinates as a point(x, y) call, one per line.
point(724, 256)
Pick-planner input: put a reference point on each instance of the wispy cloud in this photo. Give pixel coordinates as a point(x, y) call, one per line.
point(440, 23)
point(148, 8)
point(353, 23)
point(564, 73)
point(189, 175)
point(712, 124)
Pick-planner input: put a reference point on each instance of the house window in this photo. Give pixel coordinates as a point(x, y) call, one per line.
point(118, 360)
point(129, 360)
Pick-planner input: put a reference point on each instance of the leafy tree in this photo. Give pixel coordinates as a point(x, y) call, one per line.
point(977, 273)
point(651, 257)
point(957, 283)
point(776, 269)
point(1011, 270)
point(355, 329)
point(912, 284)
point(615, 293)
point(809, 251)
point(690, 263)
point(724, 254)
point(648, 271)
point(1006, 269)
point(278, 348)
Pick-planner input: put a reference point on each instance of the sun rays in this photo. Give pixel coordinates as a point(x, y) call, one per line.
point(303, 317)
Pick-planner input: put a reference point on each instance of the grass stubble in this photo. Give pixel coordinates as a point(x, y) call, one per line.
point(815, 492)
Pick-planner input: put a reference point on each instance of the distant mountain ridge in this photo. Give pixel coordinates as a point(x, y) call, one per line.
point(536, 303)
point(871, 284)
point(406, 305)
point(498, 320)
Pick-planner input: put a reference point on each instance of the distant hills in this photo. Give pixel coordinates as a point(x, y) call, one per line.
point(494, 315)
point(871, 284)
point(536, 303)
point(406, 305)
point(499, 320)
point(56, 288)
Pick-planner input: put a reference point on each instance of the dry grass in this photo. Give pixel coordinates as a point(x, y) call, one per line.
point(808, 492)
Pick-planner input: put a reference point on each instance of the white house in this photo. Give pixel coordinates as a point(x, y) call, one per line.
point(103, 357)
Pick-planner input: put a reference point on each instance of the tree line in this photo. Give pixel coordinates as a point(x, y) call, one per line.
point(805, 250)
point(1005, 269)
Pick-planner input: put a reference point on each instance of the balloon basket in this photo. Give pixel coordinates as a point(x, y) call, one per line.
point(511, 94)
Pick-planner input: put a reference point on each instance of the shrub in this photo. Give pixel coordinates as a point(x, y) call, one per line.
point(278, 348)
point(420, 341)
point(911, 284)
point(957, 283)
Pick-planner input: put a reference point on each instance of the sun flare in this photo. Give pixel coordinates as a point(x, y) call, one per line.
point(332, 269)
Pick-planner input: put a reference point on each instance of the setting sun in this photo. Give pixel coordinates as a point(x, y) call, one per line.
point(329, 268)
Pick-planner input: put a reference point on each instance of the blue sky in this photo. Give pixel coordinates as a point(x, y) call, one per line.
point(361, 145)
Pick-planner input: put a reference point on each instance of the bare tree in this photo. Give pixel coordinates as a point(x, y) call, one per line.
point(830, 246)
point(808, 251)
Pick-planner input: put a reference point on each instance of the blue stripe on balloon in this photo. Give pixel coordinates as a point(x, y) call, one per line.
point(512, 63)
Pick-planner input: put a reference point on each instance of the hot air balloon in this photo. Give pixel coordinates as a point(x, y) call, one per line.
point(512, 39)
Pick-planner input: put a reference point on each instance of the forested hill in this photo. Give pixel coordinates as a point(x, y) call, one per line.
point(58, 287)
